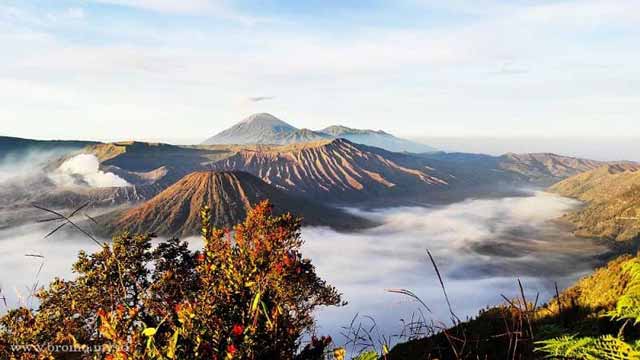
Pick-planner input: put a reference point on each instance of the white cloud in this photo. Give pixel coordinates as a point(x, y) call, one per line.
point(484, 245)
point(479, 244)
point(84, 169)
point(550, 71)
point(222, 9)
point(73, 13)
point(182, 6)
point(585, 13)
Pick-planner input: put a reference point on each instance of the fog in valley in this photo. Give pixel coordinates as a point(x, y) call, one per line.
point(481, 247)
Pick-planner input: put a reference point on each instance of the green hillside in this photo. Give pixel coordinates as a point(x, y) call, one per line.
point(612, 196)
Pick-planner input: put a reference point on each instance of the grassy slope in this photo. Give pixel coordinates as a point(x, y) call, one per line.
point(487, 335)
point(612, 194)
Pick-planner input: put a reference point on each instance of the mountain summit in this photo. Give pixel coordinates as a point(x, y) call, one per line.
point(263, 128)
point(176, 210)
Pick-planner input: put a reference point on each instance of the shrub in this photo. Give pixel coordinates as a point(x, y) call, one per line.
point(605, 346)
point(247, 294)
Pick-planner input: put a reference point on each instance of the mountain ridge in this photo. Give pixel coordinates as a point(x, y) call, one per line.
point(264, 128)
point(612, 201)
point(547, 165)
point(336, 169)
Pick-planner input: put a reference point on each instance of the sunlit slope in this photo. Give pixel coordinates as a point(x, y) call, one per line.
point(337, 168)
point(612, 194)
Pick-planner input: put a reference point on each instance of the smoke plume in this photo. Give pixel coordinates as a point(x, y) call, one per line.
point(84, 169)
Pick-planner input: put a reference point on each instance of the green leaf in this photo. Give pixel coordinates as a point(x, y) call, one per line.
point(266, 313)
point(173, 344)
point(256, 301)
point(368, 355)
point(149, 332)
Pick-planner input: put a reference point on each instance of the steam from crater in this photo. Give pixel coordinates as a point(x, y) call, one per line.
point(84, 169)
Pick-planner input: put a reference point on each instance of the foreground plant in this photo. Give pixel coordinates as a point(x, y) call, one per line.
point(605, 347)
point(248, 294)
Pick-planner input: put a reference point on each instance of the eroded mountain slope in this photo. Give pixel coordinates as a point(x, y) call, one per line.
point(176, 210)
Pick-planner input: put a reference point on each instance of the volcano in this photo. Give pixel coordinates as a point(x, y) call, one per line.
point(176, 210)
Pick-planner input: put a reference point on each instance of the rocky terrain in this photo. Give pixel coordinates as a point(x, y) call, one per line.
point(335, 169)
point(176, 210)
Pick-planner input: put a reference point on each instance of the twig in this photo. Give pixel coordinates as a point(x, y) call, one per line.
point(410, 294)
point(67, 220)
point(444, 290)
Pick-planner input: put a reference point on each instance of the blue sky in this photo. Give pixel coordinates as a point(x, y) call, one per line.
point(169, 69)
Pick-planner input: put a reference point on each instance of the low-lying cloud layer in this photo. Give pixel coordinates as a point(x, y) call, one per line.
point(27, 259)
point(16, 166)
point(84, 169)
point(481, 247)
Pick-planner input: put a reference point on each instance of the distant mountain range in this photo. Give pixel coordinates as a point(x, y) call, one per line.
point(339, 171)
point(176, 210)
point(325, 172)
point(612, 196)
point(546, 166)
point(267, 129)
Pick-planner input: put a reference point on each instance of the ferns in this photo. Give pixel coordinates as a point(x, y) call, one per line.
point(628, 305)
point(606, 347)
point(369, 355)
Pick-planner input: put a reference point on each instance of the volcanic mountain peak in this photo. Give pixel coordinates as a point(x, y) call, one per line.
point(263, 128)
point(265, 119)
point(176, 210)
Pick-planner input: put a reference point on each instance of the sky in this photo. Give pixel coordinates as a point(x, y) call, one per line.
point(165, 69)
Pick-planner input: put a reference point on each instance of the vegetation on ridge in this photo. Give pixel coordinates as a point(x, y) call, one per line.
point(607, 346)
point(522, 329)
